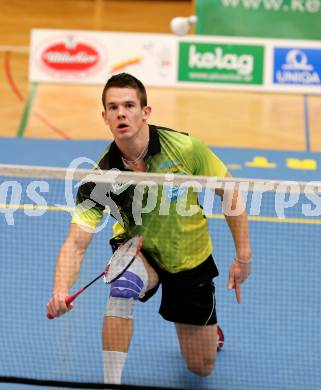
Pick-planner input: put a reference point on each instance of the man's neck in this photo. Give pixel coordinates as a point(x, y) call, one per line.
point(135, 147)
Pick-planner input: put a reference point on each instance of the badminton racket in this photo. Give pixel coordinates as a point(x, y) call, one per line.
point(119, 262)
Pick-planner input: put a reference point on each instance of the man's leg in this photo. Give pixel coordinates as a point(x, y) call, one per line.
point(118, 319)
point(198, 345)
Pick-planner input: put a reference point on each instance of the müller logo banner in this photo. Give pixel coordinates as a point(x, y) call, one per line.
point(92, 57)
point(68, 57)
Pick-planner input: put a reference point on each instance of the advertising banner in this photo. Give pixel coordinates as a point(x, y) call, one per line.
point(165, 60)
point(220, 63)
point(290, 19)
point(297, 66)
point(92, 57)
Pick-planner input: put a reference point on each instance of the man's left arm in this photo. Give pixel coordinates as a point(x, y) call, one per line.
point(206, 163)
point(236, 218)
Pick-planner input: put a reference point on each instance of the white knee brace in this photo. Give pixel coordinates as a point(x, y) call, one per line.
point(126, 290)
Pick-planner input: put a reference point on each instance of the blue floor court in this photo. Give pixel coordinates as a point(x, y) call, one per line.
point(273, 339)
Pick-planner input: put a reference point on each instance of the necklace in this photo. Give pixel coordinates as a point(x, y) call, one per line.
point(140, 157)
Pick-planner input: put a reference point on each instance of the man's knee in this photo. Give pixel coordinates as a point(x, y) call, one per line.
point(125, 291)
point(202, 367)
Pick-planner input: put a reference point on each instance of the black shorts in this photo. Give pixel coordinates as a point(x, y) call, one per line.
point(188, 297)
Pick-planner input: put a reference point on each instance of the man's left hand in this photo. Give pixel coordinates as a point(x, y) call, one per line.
point(239, 272)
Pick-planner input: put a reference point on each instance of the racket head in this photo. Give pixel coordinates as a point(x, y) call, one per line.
point(122, 258)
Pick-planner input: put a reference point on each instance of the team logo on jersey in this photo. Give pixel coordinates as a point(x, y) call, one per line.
point(170, 164)
point(173, 193)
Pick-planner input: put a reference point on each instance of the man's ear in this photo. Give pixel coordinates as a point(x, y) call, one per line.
point(146, 112)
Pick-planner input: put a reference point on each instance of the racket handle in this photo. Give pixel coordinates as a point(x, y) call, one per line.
point(68, 301)
point(72, 297)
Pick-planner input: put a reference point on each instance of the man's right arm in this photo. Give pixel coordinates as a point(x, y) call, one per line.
point(68, 266)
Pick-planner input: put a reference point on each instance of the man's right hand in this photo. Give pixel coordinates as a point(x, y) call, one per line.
point(57, 304)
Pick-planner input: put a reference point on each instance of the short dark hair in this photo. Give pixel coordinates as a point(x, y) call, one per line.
point(126, 80)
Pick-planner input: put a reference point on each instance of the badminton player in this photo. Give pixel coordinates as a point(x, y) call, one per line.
point(177, 249)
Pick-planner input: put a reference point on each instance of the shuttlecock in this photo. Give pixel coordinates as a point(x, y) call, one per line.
point(180, 25)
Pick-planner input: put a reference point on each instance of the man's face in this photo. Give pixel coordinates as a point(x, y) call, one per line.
point(124, 114)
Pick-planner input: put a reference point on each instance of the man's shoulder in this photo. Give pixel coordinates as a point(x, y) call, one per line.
point(184, 141)
point(170, 132)
point(173, 137)
point(176, 147)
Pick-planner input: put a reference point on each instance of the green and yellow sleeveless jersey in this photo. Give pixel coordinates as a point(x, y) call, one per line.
point(177, 241)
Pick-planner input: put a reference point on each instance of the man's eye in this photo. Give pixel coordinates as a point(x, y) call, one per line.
point(129, 105)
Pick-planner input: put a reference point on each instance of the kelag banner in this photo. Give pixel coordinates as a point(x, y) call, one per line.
point(291, 19)
point(220, 63)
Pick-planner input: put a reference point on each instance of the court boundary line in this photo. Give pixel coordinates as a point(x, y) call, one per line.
point(307, 124)
point(254, 218)
point(27, 109)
